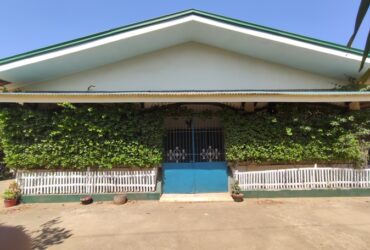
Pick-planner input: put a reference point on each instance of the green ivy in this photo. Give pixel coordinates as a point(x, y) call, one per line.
point(293, 133)
point(77, 137)
point(120, 135)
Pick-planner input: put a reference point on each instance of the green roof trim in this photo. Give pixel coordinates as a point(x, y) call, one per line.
point(174, 16)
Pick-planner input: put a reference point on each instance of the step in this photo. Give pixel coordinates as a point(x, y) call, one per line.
point(203, 197)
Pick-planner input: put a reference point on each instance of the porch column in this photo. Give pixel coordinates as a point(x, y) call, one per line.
point(354, 106)
point(249, 107)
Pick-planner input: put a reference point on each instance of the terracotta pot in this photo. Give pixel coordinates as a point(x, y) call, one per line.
point(10, 203)
point(238, 197)
point(119, 199)
point(86, 200)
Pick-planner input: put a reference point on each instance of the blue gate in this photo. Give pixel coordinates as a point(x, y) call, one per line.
point(198, 177)
point(194, 158)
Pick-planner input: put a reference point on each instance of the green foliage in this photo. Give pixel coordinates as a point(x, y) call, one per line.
point(362, 10)
point(235, 188)
point(353, 86)
point(296, 134)
point(77, 137)
point(9, 195)
point(115, 135)
point(13, 192)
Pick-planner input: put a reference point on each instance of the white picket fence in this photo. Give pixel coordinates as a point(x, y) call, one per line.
point(303, 178)
point(86, 182)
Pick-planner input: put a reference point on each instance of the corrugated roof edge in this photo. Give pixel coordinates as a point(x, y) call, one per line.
point(208, 91)
point(177, 15)
point(191, 92)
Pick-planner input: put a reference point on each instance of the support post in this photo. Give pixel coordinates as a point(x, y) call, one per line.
point(354, 106)
point(249, 107)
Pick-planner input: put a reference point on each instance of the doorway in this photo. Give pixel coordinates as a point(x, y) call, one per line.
point(194, 160)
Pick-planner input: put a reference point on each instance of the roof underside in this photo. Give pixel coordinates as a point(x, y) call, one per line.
point(119, 44)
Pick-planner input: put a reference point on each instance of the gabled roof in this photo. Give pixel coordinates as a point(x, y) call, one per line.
point(190, 25)
point(169, 17)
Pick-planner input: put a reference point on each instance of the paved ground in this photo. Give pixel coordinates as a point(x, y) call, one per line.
point(317, 223)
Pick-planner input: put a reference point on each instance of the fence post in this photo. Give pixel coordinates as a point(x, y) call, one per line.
point(88, 181)
point(236, 172)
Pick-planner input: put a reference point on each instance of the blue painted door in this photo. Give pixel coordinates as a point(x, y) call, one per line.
point(194, 158)
point(197, 177)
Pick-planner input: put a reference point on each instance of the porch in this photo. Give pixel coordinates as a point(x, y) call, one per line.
point(193, 151)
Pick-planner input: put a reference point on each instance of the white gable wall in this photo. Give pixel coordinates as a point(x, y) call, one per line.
point(189, 66)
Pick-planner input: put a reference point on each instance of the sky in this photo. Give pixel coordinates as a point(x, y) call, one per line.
point(31, 24)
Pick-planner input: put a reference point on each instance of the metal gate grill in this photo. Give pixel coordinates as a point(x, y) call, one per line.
point(194, 140)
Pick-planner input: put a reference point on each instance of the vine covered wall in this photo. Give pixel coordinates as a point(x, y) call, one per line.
point(80, 136)
point(121, 135)
point(297, 133)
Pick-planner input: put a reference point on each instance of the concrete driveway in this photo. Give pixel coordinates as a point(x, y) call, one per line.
point(317, 223)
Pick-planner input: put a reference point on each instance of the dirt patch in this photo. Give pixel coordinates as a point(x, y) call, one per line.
point(269, 202)
point(307, 223)
point(16, 209)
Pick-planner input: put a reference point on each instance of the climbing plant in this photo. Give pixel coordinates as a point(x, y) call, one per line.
point(106, 136)
point(299, 133)
point(80, 136)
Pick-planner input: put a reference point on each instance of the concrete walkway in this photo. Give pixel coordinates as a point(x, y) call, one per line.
point(317, 223)
point(204, 197)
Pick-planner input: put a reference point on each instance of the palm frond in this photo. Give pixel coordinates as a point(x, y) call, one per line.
point(364, 6)
point(366, 51)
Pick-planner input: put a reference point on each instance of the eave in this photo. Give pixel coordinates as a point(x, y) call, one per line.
point(261, 42)
point(174, 16)
point(185, 96)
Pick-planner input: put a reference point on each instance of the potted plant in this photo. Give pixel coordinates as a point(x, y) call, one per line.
point(120, 198)
point(236, 192)
point(86, 200)
point(11, 195)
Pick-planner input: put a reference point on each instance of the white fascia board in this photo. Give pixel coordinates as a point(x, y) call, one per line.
point(99, 42)
point(279, 39)
point(167, 24)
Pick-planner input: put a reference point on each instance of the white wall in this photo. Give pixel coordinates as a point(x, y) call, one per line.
point(189, 66)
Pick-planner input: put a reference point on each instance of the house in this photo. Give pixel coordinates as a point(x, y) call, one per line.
point(196, 59)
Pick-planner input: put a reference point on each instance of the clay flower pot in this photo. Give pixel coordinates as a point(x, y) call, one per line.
point(10, 203)
point(86, 200)
point(120, 199)
point(238, 197)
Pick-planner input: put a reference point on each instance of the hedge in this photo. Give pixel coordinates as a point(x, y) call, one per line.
point(120, 135)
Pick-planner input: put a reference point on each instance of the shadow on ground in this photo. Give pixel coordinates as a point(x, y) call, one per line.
point(14, 238)
point(47, 235)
